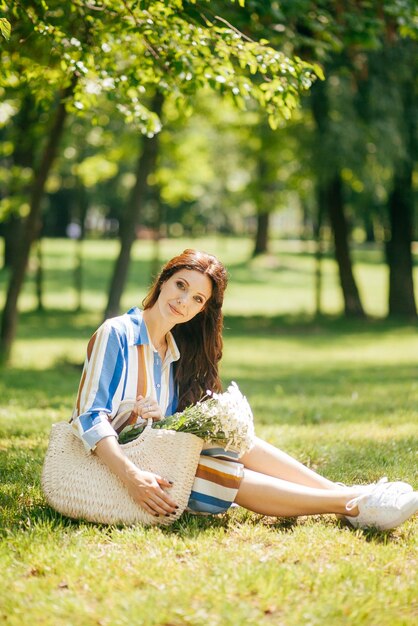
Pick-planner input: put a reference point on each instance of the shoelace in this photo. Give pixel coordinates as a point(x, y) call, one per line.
point(383, 498)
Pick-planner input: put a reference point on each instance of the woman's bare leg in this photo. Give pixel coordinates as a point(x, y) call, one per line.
point(269, 460)
point(273, 496)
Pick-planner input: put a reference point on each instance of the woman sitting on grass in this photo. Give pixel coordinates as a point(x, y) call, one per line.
point(166, 356)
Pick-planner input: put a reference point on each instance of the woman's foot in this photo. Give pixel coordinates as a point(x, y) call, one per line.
point(401, 486)
point(383, 505)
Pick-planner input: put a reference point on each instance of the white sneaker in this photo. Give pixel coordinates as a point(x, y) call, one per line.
point(399, 485)
point(383, 506)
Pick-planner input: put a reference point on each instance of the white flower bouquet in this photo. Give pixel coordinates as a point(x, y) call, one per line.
point(223, 418)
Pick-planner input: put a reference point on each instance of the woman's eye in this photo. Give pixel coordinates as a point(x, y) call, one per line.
point(179, 284)
point(199, 299)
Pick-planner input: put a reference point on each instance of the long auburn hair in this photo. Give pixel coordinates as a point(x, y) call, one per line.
point(200, 339)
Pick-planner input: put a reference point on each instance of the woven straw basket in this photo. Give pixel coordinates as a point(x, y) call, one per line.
point(76, 483)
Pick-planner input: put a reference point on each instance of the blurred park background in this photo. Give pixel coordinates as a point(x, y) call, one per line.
point(288, 128)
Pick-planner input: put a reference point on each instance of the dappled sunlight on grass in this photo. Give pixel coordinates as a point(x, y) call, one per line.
point(282, 282)
point(362, 453)
point(340, 396)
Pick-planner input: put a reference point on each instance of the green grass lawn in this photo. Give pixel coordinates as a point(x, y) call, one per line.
point(340, 396)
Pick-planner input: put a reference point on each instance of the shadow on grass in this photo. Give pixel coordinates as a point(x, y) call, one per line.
point(304, 324)
point(58, 324)
point(41, 514)
point(27, 391)
point(96, 275)
point(187, 526)
point(66, 324)
point(300, 396)
point(24, 508)
point(263, 271)
point(328, 394)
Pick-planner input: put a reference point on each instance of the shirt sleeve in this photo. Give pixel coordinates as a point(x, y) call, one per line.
point(100, 389)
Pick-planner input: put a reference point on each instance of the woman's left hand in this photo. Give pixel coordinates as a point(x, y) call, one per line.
point(148, 408)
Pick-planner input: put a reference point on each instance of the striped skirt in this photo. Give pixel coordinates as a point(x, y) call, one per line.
point(218, 477)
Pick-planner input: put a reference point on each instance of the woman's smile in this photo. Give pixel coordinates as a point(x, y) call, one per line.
point(175, 310)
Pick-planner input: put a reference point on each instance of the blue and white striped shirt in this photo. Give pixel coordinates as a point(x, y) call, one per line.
point(122, 363)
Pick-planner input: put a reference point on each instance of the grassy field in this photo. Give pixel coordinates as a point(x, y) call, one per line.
point(280, 284)
point(340, 396)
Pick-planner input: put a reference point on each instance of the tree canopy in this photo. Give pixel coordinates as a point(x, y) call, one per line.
point(125, 49)
point(60, 58)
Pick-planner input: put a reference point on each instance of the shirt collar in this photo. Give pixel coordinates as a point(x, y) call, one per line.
point(172, 347)
point(140, 336)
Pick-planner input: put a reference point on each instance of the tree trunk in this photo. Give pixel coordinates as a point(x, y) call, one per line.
point(158, 219)
point(262, 234)
point(399, 253)
point(22, 157)
point(368, 222)
point(332, 194)
point(82, 205)
point(78, 274)
point(263, 189)
point(39, 276)
point(127, 232)
point(12, 233)
point(401, 199)
point(318, 251)
point(31, 227)
point(335, 206)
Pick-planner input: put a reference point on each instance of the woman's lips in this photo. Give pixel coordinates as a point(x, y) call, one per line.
point(175, 311)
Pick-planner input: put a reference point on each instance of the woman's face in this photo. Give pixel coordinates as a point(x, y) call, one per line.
point(184, 295)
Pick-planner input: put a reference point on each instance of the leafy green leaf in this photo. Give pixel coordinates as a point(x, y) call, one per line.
point(5, 28)
point(318, 71)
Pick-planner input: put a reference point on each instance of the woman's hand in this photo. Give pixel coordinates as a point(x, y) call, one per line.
point(148, 407)
point(146, 488)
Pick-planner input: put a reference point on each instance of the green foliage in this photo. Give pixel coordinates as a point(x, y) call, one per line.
point(123, 49)
point(322, 29)
point(365, 107)
point(120, 52)
point(5, 28)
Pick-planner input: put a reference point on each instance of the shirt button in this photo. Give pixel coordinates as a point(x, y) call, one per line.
point(158, 385)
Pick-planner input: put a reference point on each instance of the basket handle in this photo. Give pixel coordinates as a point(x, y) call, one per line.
point(130, 403)
point(148, 426)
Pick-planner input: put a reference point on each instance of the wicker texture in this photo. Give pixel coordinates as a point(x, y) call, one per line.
point(77, 484)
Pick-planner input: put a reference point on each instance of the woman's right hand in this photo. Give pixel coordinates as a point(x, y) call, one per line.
point(146, 488)
point(148, 408)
